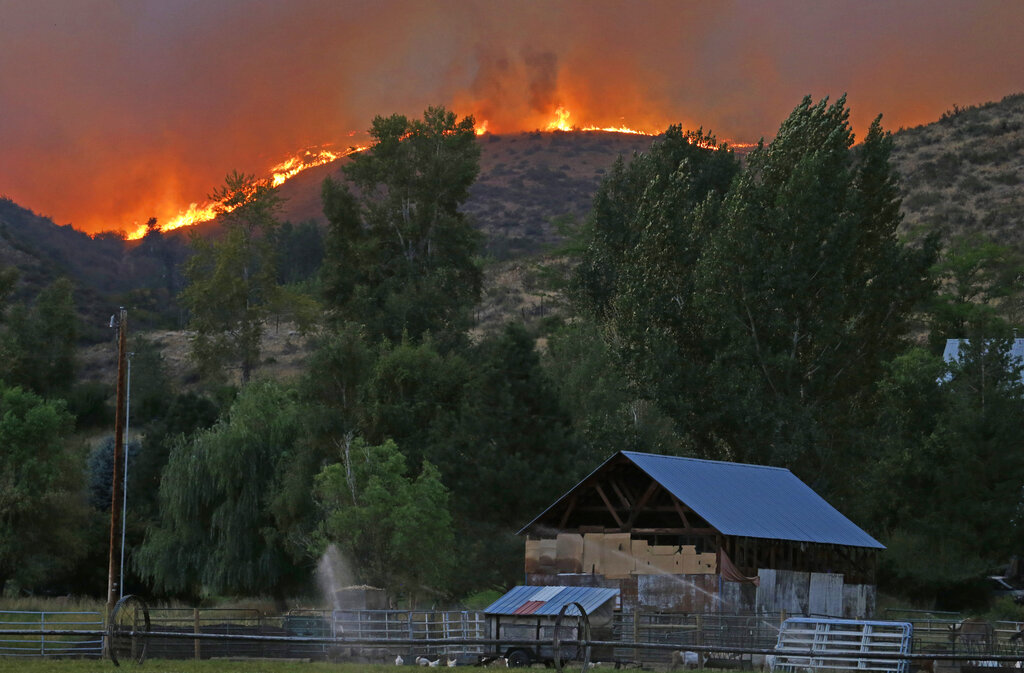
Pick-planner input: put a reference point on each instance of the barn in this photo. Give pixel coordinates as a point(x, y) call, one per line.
point(680, 534)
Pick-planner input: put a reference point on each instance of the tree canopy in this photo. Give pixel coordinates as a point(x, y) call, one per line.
point(400, 255)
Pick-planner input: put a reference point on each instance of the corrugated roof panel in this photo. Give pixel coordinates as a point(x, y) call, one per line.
point(528, 608)
point(546, 593)
point(527, 600)
point(752, 500)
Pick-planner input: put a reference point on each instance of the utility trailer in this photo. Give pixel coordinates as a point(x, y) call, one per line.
point(525, 620)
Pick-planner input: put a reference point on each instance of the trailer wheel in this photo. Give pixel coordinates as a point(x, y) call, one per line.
point(519, 658)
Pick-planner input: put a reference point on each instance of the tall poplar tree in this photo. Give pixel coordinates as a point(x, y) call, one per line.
point(400, 256)
point(758, 312)
point(232, 280)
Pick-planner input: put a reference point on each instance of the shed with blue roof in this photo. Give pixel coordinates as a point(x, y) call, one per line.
point(525, 619)
point(702, 535)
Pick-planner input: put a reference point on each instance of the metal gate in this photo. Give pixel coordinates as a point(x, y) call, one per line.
point(841, 644)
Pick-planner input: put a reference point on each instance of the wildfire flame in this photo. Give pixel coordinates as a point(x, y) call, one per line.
point(560, 122)
point(287, 169)
point(279, 174)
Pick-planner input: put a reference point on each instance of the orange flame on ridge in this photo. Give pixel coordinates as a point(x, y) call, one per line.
point(560, 122)
point(279, 174)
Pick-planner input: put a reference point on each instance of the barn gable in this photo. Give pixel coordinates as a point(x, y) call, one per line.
point(747, 536)
point(643, 492)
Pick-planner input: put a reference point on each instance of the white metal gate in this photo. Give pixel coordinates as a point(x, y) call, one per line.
point(839, 644)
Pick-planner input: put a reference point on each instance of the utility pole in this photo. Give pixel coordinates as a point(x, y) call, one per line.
point(119, 423)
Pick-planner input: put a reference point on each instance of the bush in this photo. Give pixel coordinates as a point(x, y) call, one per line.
point(88, 402)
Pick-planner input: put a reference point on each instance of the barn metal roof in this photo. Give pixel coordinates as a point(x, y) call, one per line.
point(523, 600)
point(752, 500)
point(748, 500)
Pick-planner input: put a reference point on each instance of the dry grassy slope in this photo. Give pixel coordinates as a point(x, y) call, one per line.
point(525, 181)
point(965, 173)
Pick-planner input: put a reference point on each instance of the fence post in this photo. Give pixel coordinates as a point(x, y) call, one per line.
point(195, 629)
point(700, 641)
point(636, 632)
point(42, 636)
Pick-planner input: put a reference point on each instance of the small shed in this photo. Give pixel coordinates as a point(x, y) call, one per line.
point(526, 615)
point(691, 535)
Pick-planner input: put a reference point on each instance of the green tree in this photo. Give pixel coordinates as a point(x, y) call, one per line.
point(605, 412)
point(508, 427)
point(944, 488)
point(976, 280)
point(409, 249)
point(41, 341)
point(396, 528)
point(232, 281)
point(760, 319)
point(412, 389)
point(42, 492)
point(219, 531)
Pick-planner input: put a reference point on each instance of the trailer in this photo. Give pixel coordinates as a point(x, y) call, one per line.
point(525, 621)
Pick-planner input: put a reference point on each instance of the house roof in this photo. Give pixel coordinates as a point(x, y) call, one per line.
point(746, 500)
point(951, 353)
point(539, 600)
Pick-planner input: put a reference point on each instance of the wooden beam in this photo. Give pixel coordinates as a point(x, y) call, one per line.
point(679, 508)
point(569, 507)
point(642, 502)
point(608, 504)
point(626, 504)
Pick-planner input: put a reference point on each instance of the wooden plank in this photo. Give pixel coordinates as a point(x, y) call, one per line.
point(825, 594)
point(765, 600)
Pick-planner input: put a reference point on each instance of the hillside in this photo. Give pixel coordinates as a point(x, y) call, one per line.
point(526, 180)
point(960, 174)
point(964, 173)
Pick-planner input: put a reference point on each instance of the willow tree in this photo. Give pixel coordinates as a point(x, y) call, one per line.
point(219, 525)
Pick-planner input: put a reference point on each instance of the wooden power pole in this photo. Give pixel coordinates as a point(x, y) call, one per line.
point(113, 574)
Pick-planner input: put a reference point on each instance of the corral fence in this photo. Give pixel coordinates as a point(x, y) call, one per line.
point(417, 630)
point(739, 641)
point(44, 644)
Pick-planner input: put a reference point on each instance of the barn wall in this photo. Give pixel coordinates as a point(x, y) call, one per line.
point(795, 593)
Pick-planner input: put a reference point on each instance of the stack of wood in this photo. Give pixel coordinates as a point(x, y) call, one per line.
point(615, 556)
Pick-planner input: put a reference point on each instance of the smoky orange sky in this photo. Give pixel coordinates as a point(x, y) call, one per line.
point(114, 111)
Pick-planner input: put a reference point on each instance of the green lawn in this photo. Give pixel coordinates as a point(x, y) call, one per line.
point(11, 665)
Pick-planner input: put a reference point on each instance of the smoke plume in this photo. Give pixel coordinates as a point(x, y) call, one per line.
point(112, 111)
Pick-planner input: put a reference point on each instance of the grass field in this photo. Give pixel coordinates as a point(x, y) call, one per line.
point(20, 665)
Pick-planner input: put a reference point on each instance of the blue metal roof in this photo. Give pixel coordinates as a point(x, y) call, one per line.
point(745, 500)
point(752, 500)
point(550, 600)
point(951, 353)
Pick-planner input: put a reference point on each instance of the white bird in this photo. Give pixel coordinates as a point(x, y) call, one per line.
point(452, 662)
point(422, 661)
point(399, 660)
point(435, 663)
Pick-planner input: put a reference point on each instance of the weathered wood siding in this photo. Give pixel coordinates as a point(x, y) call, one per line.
point(795, 593)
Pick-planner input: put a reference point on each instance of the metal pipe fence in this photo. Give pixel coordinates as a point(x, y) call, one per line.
point(642, 638)
point(36, 638)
